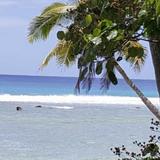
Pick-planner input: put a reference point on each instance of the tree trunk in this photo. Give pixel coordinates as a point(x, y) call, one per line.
point(155, 52)
point(145, 100)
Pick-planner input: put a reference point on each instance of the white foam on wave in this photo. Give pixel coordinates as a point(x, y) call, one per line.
point(63, 107)
point(73, 99)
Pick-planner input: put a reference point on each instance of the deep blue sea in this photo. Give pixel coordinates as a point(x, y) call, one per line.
point(36, 85)
point(69, 126)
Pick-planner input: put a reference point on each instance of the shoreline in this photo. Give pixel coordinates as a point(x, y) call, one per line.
point(77, 100)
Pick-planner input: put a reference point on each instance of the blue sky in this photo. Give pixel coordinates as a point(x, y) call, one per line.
point(18, 57)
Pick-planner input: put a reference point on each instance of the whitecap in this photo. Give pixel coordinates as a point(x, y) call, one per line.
point(73, 99)
point(63, 107)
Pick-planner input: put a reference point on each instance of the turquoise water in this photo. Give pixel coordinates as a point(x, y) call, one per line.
point(30, 85)
point(78, 133)
point(68, 131)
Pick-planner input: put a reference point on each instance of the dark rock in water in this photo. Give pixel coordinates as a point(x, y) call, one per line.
point(38, 106)
point(18, 108)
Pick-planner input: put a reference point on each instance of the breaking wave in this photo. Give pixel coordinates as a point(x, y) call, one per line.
point(73, 99)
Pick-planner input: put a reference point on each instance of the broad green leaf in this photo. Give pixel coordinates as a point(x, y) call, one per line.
point(81, 62)
point(96, 32)
point(99, 68)
point(108, 23)
point(96, 40)
point(85, 37)
point(119, 58)
point(60, 35)
point(88, 20)
point(120, 35)
point(142, 13)
point(112, 77)
point(94, 3)
point(105, 23)
point(112, 35)
point(158, 7)
point(109, 66)
point(83, 73)
point(91, 38)
point(68, 36)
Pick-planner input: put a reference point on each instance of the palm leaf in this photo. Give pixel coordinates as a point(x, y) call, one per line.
point(57, 8)
point(105, 82)
point(137, 63)
point(137, 60)
point(41, 25)
point(63, 53)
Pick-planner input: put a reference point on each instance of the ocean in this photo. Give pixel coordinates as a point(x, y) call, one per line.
point(69, 126)
point(38, 85)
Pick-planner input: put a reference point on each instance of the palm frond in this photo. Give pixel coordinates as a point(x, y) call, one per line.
point(137, 62)
point(63, 52)
point(137, 58)
point(41, 25)
point(57, 8)
point(85, 79)
point(88, 79)
point(105, 82)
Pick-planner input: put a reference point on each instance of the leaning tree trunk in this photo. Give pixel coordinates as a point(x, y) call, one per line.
point(155, 52)
point(145, 100)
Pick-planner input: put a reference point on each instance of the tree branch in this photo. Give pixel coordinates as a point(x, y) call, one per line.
point(149, 40)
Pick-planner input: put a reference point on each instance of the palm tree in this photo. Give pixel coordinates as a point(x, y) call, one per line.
point(155, 50)
point(145, 100)
point(151, 24)
point(42, 25)
point(93, 58)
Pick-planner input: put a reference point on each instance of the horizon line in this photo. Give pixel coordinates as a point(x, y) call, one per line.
point(61, 76)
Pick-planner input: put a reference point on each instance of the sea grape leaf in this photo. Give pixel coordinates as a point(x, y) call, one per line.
point(96, 32)
point(150, 148)
point(81, 62)
point(99, 67)
point(158, 7)
point(112, 35)
point(60, 35)
point(112, 77)
point(105, 24)
point(119, 58)
point(88, 20)
point(94, 3)
point(96, 40)
point(109, 66)
point(83, 73)
point(68, 36)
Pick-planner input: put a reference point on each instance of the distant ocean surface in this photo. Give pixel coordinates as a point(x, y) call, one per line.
point(36, 85)
point(61, 90)
point(69, 126)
